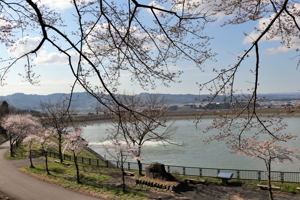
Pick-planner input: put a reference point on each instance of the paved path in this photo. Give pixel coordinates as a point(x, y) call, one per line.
point(20, 186)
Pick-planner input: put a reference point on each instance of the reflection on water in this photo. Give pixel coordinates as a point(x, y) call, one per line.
point(192, 151)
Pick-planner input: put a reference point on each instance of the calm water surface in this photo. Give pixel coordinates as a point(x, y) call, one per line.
point(192, 151)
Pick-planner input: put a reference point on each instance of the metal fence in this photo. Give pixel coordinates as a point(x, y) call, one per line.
point(293, 177)
point(83, 160)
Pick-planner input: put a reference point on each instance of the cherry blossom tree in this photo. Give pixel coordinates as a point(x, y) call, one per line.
point(75, 143)
point(19, 126)
point(136, 130)
point(119, 151)
point(45, 140)
point(30, 139)
point(57, 117)
point(267, 150)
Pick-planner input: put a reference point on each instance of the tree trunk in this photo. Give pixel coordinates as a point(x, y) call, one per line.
point(269, 180)
point(30, 156)
point(123, 173)
point(140, 167)
point(139, 161)
point(60, 147)
point(11, 147)
point(46, 162)
point(77, 168)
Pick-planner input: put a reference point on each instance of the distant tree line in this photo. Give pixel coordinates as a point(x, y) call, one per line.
point(212, 106)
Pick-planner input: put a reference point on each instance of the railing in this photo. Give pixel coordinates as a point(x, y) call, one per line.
point(83, 160)
point(293, 177)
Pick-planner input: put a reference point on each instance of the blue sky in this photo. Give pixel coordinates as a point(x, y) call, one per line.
point(278, 72)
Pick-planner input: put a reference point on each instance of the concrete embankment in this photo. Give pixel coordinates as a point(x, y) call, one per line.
point(100, 157)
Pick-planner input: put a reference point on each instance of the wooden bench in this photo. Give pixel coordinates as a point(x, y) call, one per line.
point(266, 187)
point(225, 176)
point(194, 181)
point(167, 185)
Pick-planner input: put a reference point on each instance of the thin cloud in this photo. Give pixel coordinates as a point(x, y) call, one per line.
point(51, 58)
point(24, 45)
point(295, 44)
point(55, 4)
point(59, 4)
point(55, 58)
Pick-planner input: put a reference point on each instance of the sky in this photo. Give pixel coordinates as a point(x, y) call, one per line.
point(278, 74)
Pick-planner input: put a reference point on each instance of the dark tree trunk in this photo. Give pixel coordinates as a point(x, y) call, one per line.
point(46, 162)
point(11, 147)
point(140, 167)
point(30, 157)
point(60, 147)
point(123, 178)
point(77, 168)
point(269, 180)
point(123, 173)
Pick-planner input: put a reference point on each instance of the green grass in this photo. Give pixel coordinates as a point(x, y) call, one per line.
point(92, 183)
point(19, 153)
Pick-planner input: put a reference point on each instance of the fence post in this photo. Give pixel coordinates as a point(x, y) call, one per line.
point(200, 172)
point(168, 168)
point(128, 165)
point(90, 161)
point(281, 177)
point(238, 174)
point(259, 175)
point(106, 162)
point(183, 170)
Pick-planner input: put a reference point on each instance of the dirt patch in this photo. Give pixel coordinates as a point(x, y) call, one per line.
point(221, 192)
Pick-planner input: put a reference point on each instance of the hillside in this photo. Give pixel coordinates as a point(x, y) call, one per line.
point(83, 102)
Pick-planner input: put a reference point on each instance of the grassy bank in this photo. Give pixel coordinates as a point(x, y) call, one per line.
point(104, 185)
point(22, 151)
point(192, 114)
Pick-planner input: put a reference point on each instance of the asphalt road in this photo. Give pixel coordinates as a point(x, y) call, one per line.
point(20, 186)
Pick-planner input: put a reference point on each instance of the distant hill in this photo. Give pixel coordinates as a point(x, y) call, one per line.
point(83, 102)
